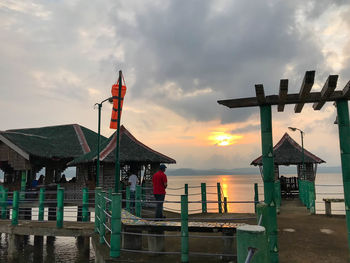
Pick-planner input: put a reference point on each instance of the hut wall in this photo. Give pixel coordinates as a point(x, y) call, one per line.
point(16, 161)
point(108, 176)
point(309, 172)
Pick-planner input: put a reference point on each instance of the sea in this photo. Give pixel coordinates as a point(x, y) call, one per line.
point(239, 190)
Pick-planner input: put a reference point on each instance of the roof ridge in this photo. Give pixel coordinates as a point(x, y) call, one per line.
point(71, 124)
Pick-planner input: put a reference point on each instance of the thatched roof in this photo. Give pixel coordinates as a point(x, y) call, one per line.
point(62, 141)
point(287, 151)
point(131, 150)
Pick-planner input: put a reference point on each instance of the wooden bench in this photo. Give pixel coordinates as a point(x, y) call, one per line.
point(328, 204)
point(135, 226)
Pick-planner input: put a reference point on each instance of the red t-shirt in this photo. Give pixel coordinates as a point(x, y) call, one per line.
point(159, 180)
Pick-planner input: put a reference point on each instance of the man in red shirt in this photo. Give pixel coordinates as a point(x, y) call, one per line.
point(160, 182)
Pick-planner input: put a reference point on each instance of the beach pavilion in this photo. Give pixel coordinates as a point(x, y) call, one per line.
point(289, 152)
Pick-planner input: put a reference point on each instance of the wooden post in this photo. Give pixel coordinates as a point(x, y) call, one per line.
point(344, 138)
point(127, 206)
point(15, 207)
point(225, 205)
point(97, 209)
point(41, 204)
point(85, 205)
point(328, 207)
point(116, 225)
point(256, 196)
point(60, 207)
point(268, 177)
point(184, 228)
point(254, 238)
point(186, 189)
point(4, 204)
point(102, 216)
point(138, 201)
point(204, 197)
point(218, 187)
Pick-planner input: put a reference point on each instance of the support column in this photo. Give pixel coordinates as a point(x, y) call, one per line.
point(38, 249)
point(268, 177)
point(344, 139)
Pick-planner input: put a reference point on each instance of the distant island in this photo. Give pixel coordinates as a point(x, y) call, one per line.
point(245, 171)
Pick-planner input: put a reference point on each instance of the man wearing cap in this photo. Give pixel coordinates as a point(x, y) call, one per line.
point(160, 182)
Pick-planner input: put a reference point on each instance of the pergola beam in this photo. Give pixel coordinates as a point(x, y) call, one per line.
point(305, 89)
point(260, 94)
point(327, 90)
point(282, 94)
point(346, 90)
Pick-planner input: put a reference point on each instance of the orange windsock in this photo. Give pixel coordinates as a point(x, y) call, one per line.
point(115, 94)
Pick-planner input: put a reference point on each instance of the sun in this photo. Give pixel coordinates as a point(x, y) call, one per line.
point(224, 139)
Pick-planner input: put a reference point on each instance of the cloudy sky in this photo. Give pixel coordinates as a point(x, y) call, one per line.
point(178, 58)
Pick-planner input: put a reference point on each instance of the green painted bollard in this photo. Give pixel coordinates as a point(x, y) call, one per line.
point(225, 205)
point(15, 206)
point(23, 185)
point(252, 238)
point(4, 204)
point(256, 196)
point(219, 198)
point(85, 205)
point(204, 197)
point(186, 189)
point(97, 208)
point(184, 228)
point(102, 216)
point(41, 204)
point(60, 207)
point(127, 205)
point(138, 201)
point(116, 225)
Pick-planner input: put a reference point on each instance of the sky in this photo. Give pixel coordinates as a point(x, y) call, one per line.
point(59, 58)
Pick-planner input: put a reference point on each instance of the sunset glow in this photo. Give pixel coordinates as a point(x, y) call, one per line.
point(224, 139)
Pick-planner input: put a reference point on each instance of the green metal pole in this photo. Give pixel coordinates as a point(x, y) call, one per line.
point(85, 205)
point(277, 195)
point(225, 205)
point(102, 216)
point(4, 204)
point(219, 197)
point(41, 204)
point(268, 177)
point(303, 156)
point(138, 201)
point(127, 205)
point(186, 189)
point(97, 208)
point(116, 225)
point(256, 195)
point(344, 138)
point(312, 196)
point(15, 207)
point(184, 228)
point(204, 197)
point(117, 164)
point(98, 145)
point(60, 207)
point(23, 185)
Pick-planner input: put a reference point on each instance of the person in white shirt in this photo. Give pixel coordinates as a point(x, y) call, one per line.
point(133, 181)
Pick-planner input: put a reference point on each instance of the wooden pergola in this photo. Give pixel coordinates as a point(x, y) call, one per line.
point(327, 94)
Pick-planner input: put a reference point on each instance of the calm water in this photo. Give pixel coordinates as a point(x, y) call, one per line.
point(235, 188)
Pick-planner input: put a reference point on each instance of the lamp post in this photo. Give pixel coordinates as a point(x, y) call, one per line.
point(110, 99)
point(302, 146)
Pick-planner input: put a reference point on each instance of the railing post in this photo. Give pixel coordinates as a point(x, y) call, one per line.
point(127, 204)
point(186, 189)
point(138, 201)
point(116, 225)
point(97, 208)
point(251, 237)
point(15, 206)
point(225, 205)
point(41, 204)
point(85, 205)
point(204, 197)
point(4, 204)
point(256, 196)
point(219, 197)
point(60, 207)
point(23, 185)
point(184, 228)
point(102, 216)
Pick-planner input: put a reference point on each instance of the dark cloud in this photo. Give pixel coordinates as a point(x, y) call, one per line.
point(247, 128)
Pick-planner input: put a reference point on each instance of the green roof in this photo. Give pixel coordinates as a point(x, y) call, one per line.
point(62, 141)
point(131, 150)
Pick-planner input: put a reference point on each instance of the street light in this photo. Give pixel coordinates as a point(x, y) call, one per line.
point(110, 99)
point(302, 146)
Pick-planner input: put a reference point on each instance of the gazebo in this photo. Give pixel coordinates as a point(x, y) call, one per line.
point(289, 152)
